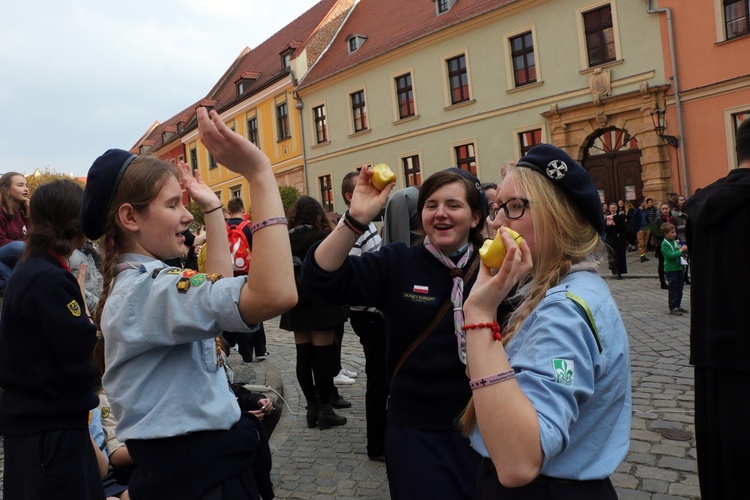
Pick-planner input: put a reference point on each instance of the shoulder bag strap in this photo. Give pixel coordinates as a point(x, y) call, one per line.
point(431, 326)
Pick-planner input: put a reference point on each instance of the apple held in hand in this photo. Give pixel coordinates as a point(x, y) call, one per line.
point(382, 175)
point(493, 252)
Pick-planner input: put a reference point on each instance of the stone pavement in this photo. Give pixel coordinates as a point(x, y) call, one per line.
point(315, 464)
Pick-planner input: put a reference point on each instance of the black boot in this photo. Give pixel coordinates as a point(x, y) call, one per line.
point(312, 414)
point(327, 417)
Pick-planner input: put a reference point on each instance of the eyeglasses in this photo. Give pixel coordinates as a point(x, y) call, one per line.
point(513, 208)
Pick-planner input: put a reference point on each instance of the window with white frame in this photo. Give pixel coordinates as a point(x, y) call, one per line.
point(736, 14)
point(326, 192)
point(412, 170)
point(321, 125)
point(599, 35)
point(282, 121)
point(236, 191)
point(252, 130)
point(466, 158)
point(443, 6)
point(405, 96)
point(458, 79)
point(737, 120)
point(528, 139)
point(523, 59)
point(354, 42)
point(359, 111)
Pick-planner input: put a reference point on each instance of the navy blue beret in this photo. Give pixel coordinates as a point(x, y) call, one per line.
point(564, 172)
point(101, 184)
point(467, 175)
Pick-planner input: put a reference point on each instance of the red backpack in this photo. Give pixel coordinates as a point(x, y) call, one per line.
point(239, 248)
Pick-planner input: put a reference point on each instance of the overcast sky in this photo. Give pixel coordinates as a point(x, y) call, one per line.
point(78, 77)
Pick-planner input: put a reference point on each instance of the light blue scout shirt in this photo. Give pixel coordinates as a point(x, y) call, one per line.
point(163, 377)
point(582, 398)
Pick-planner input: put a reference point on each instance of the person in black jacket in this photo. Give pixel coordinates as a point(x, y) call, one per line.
point(717, 238)
point(313, 320)
point(45, 407)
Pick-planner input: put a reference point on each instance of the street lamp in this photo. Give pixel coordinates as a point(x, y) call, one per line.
point(657, 116)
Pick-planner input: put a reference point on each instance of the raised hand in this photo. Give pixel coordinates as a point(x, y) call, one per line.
point(367, 200)
point(228, 148)
point(489, 291)
point(192, 182)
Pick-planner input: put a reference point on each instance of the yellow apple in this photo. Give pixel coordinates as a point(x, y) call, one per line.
point(493, 252)
point(382, 175)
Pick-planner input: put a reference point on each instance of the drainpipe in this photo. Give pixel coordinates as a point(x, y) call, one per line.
point(300, 106)
point(676, 83)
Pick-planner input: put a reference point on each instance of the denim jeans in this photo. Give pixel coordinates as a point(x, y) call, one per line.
point(676, 281)
point(11, 252)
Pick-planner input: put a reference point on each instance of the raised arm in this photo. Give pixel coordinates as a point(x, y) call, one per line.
point(367, 202)
point(507, 419)
point(270, 288)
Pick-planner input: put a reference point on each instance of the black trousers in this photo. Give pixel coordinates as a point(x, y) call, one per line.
point(722, 437)
point(59, 463)
point(370, 328)
point(541, 488)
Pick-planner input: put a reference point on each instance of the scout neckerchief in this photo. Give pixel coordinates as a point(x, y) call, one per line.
point(457, 294)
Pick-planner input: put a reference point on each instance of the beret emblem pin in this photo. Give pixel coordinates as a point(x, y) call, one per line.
point(556, 169)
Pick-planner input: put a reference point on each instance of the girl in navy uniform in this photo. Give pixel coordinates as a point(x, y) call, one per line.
point(419, 289)
point(551, 387)
point(164, 377)
point(46, 343)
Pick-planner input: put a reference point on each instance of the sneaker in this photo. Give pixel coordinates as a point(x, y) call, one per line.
point(247, 361)
point(682, 310)
point(675, 312)
point(644, 258)
point(262, 357)
point(349, 373)
point(342, 379)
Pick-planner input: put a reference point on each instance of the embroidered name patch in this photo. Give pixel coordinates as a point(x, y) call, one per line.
point(564, 371)
point(74, 308)
point(418, 297)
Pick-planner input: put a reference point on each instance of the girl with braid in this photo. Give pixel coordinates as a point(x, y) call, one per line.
point(163, 372)
point(550, 411)
point(48, 395)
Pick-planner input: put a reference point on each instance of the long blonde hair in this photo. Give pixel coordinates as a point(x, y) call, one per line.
point(563, 237)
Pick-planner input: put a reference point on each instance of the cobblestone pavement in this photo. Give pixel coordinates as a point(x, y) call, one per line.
point(314, 464)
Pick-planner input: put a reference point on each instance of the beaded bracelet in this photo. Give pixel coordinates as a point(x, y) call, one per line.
point(268, 222)
point(362, 228)
point(492, 379)
point(213, 209)
point(494, 326)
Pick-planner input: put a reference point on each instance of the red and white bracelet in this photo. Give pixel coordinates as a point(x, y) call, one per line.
point(492, 379)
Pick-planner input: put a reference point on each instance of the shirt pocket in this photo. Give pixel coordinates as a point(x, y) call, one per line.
point(210, 355)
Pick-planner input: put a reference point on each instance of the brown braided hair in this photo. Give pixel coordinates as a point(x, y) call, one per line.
point(563, 237)
point(140, 184)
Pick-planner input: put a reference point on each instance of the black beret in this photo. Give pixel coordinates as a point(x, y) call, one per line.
point(467, 175)
point(564, 172)
point(101, 184)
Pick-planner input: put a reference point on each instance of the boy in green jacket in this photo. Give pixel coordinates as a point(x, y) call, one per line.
point(673, 267)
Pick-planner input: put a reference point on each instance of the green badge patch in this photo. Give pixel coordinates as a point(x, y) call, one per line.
point(564, 371)
point(197, 279)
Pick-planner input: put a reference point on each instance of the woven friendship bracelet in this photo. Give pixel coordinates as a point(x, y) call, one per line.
point(268, 222)
point(492, 379)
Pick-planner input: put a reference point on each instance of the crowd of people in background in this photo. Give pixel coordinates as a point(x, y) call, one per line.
point(146, 311)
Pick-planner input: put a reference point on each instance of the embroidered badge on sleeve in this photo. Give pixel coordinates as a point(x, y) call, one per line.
point(564, 371)
point(74, 308)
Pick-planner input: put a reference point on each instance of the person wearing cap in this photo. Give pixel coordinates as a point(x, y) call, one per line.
point(164, 375)
point(551, 404)
point(419, 290)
